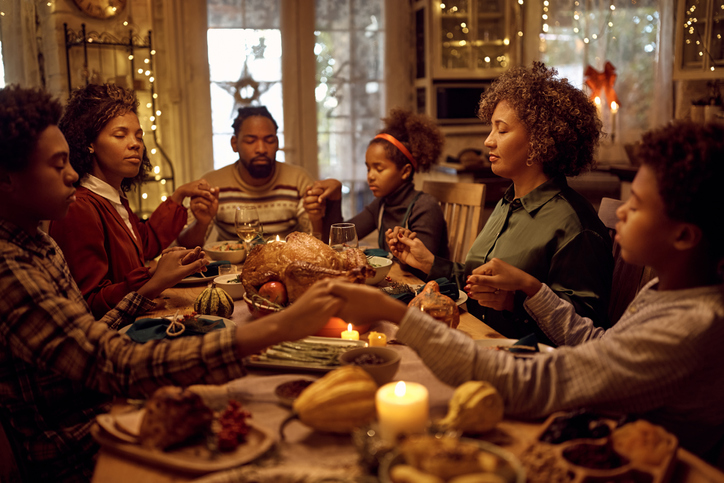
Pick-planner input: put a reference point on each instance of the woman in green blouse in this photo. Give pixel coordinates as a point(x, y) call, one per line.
point(543, 130)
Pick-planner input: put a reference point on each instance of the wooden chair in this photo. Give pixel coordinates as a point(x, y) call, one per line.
point(462, 206)
point(627, 278)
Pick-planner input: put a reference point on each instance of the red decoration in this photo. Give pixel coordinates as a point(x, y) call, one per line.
point(598, 81)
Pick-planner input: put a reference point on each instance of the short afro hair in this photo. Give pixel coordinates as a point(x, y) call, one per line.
point(688, 161)
point(88, 111)
point(245, 113)
point(562, 122)
point(418, 133)
point(24, 115)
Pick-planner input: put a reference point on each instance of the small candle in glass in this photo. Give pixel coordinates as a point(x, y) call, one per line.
point(377, 339)
point(402, 408)
point(350, 333)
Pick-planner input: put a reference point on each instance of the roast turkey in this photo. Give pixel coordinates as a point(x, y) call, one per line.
point(299, 263)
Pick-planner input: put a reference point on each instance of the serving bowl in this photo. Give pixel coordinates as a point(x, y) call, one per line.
point(382, 267)
point(230, 250)
point(383, 372)
point(233, 288)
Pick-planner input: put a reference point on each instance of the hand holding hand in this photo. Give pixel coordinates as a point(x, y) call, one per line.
point(316, 196)
point(497, 275)
point(174, 265)
point(365, 305)
point(309, 313)
point(408, 249)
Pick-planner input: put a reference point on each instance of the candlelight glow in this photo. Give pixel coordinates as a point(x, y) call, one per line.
point(279, 239)
point(349, 326)
point(597, 101)
point(400, 389)
point(614, 107)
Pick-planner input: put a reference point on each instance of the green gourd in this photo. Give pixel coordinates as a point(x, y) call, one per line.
point(214, 301)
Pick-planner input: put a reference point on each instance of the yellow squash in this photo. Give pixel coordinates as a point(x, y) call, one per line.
point(214, 301)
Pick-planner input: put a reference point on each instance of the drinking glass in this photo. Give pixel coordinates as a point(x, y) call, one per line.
point(343, 236)
point(247, 223)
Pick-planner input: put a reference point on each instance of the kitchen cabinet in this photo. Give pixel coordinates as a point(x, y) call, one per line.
point(699, 43)
point(460, 46)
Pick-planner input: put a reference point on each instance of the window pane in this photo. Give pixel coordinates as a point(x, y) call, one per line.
point(259, 14)
point(252, 76)
point(579, 34)
point(2, 67)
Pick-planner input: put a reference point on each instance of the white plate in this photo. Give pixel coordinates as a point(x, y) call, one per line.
point(253, 361)
point(462, 298)
point(227, 322)
point(508, 343)
point(194, 280)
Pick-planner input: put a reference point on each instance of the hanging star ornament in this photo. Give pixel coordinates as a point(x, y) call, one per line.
point(598, 81)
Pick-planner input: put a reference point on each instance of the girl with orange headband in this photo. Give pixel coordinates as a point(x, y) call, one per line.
point(407, 144)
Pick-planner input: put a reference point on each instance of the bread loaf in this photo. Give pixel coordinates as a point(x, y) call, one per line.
point(173, 415)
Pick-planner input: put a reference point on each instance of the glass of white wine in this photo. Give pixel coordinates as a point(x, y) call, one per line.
point(343, 236)
point(248, 226)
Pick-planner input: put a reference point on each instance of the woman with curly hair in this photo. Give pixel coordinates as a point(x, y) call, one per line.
point(104, 242)
point(407, 144)
point(543, 130)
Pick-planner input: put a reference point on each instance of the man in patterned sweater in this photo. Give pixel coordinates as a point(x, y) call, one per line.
point(257, 179)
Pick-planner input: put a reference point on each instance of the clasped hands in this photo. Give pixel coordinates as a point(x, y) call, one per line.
point(204, 201)
point(316, 196)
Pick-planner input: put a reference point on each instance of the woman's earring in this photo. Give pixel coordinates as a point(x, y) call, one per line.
point(91, 150)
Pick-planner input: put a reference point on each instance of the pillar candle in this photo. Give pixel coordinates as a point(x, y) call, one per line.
point(350, 334)
point(402, 408)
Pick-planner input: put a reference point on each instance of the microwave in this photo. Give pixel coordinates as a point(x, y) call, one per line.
point(457, 102)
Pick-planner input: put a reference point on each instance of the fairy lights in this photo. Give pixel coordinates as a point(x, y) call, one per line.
point(693, 31)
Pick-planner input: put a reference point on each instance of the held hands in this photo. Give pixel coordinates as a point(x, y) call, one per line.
point(408, 249)
point(364, 304)
point(316, 196)
point(175, 264)
point(204, 199)
point(309, 313)
point(494, 284)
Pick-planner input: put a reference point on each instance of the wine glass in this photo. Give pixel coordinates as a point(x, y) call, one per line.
point(343, 236)
point(248, 226)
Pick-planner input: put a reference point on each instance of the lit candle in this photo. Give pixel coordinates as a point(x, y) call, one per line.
point(614, 110)
point(377, 339)
point(597, 102)
point(280, 240)
point(350, 334)
point(402, 408)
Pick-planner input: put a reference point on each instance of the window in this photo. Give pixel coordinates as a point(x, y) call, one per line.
point(2, 67)
point(349, 50)
point(578, 33)
point(245, 65)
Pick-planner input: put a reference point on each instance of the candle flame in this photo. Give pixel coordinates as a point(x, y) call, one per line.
point(278, 239)
point(597, 101)
point(349, 327)
point(614, 107)
point(400, 389)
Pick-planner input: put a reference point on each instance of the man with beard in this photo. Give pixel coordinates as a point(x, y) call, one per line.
point(257, 179)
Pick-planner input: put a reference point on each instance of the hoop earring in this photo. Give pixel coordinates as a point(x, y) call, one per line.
point(529, 163)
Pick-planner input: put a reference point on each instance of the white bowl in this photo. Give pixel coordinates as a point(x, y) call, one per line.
point(236, 290)
point(232, 251)
point(382, 267)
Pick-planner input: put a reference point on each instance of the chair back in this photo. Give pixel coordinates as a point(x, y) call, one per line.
point(627, 278)
point(462, 206)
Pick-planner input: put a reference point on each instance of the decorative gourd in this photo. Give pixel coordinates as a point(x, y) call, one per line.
point(476, 407)
point(438, 306)
point(214, 301)
point(342, 400)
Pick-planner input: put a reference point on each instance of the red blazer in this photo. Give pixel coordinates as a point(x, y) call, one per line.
point(104, 258)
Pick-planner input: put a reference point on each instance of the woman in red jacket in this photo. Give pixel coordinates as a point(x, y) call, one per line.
point(104, 242)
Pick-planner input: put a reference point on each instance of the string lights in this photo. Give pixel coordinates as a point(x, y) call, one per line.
point(692, 32)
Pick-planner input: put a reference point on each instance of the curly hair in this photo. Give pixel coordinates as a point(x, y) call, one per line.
point(88, 111)
point(246, 112)
point(418, 133)
point(562, 122)
point(688, 160)
point(24, 115)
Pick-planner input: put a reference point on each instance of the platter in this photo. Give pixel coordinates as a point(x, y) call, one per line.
point(510, 469)
point(263, 362)
point(193, 458)
point(227, 322)
point(493, 343)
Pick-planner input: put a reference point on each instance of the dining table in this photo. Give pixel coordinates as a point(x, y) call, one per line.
point(306, 455)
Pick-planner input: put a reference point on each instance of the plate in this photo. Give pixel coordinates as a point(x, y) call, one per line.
point(200, 278)
point(462, 298)
point(227, 322)
point(509, 342)
point(255, 361)
point(511, 470)
point(193, 458)
point(287, 392)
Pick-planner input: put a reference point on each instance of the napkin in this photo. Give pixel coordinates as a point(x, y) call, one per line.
point(377, 252)
point(530, 340)
point(212, 269)
point(148, 328)
point(446, 288)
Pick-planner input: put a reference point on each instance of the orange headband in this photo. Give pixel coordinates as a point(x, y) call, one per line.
point(399, 146)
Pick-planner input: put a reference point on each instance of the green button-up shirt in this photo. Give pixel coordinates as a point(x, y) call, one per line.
point(552, 233)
